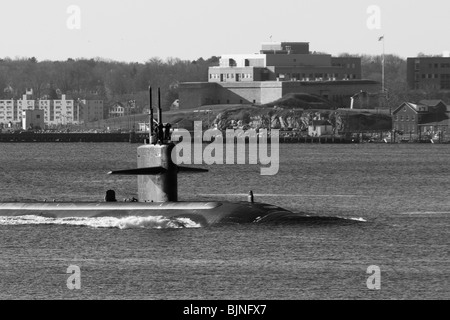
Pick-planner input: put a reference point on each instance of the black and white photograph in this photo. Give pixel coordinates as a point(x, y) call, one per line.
point(219, 158)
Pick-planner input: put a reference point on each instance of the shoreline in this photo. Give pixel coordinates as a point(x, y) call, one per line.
point(73, 137)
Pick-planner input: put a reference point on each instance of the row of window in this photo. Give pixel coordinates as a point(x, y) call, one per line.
point(434, 76)
point(431, 65)
point(297, 76)
point(436, 65)
point(406, 118)
point(405, 128)
point(230, 75)
point(348, 65)
point(442, 86)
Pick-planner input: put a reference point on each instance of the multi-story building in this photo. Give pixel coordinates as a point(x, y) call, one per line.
point(426, 116)
point(26, 103)
point(428, 73)
point(117, 110)
point(47, 106)
point(55, 112)
point(285, 61)
point(90, 110)
point(6, 111)
point(63, 111)
point(278, 69)
point(58, 112)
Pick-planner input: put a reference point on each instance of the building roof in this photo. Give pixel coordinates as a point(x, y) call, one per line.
point(431, 103)
point(413, 106)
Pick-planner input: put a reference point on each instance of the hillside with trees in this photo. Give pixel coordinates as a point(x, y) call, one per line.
point(114, 81)
point(98, 78)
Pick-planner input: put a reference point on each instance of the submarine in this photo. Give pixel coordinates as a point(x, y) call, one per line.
point(157, 191)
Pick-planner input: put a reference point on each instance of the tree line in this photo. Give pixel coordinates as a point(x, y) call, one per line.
point(99, 78)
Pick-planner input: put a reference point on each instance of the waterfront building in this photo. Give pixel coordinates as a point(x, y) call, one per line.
point(33, 119)
point(55, 112)
point(58, 112)
point(90, 110)
point(427, 116)
point(47, 107)
point(320, 128)
point(117, 110)
point(278, 69)
point(63, 111)
point(428, 73)
point(26, 103)
point(6, 111)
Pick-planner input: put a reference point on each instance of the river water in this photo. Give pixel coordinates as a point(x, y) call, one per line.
point(393, 200)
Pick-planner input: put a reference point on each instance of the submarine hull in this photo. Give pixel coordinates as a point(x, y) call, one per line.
point(205, 213)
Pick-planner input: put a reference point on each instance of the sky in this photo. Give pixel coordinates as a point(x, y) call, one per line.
point(137, 30)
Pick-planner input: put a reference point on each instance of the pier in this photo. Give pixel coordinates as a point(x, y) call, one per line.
point(134, 137)
point(71, 137)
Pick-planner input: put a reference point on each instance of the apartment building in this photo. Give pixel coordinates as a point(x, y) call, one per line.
point(57, 112)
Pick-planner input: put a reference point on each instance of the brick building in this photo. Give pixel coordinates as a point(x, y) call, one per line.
point(432, 73)
point(427, 116)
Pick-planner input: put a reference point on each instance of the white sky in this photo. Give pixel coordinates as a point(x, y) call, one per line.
point(136, 30)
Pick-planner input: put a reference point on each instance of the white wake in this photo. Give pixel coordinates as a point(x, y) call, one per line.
point(132, 222)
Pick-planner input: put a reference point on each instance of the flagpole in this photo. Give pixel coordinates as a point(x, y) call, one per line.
point(383, 89)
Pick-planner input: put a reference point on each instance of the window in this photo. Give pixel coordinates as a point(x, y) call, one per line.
point(406, 118)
